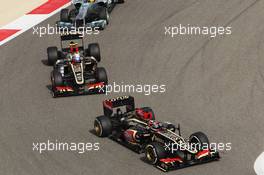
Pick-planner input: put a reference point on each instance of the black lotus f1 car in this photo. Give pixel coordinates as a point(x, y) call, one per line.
point(162, 143)
point(75, 68)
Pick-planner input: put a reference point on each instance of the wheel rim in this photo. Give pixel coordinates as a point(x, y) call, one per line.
point(150, 155)
point(197, 143)
point(52, 80)
point(53, 94)
point(97, 128)
point(107, 17)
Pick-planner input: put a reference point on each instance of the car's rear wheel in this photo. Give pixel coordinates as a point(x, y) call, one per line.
point(120, 1)
point(64, 15)
point(72, 14)
point(52, 55)
point(94, 51)
point(171, 127)
point(56, 78)
point(102, 126)
point(77, 6)
point(104, 15)
point(101, 75)
point(154, 152)
point(199, 140)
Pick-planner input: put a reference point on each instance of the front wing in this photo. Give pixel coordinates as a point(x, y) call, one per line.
point(175, 163)
point(100, 24)
point(87, 89)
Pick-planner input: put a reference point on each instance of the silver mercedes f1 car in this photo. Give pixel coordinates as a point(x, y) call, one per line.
point(87, 13)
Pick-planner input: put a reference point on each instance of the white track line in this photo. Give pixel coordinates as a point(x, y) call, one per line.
point(28, 21)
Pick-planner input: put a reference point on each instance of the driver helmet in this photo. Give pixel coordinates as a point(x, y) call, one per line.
point(90, 1)
point(76, 58)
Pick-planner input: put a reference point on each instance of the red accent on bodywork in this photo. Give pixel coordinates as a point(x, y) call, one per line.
point(66, 88)
point(169, 160)
point(130, 135)
point(200, 153)
point(96, 85)
point(144, 115)
point(49, 6)
point(5, 33)
point(108, 104)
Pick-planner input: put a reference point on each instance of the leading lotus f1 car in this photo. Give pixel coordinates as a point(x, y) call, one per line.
point(75, 70)
point(87, 13)
point(162, 143)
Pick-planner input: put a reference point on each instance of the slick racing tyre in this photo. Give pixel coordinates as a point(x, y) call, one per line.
point(78, 6)
point(199, 140)
point(72, 14)
point(52, 55)
point(154, 152)
point(171, 127)
point(56, 78)
point(120, 1)
point(102, 126)
point(104, 15)
point(64, 15)
point(101, 75)
point(93, 50)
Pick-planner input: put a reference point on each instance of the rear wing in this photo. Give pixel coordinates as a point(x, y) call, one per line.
point(71, 37)
point(110, 104)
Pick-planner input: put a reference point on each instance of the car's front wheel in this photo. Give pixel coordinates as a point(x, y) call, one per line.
point(93, 50)
point(199, 140)
point(101, 75)
point(56, 78)
point(52, 55)
point(64, 15)
point(154, 152)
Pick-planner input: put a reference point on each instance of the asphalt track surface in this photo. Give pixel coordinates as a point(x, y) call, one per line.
point(213, 85)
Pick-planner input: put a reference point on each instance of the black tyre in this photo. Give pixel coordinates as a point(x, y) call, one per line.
point(52, 55)
point(72, 14)
point(199, 140)
point(77, 6)
point(101, 75)
point(94, 51)
point(171, 127)
point(56, 78)
point(64, 15)
point(120, 1)
point(154, 152)
point(104, 15)
point(102, 126)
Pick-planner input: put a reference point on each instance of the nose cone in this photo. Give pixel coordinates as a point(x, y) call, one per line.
point(259, 165)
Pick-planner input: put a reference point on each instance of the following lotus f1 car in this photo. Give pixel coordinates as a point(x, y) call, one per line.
point(137, 129)
point(75, 68)
point(87, 13)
